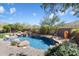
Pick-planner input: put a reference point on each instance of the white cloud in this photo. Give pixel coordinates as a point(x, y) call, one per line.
point(34, 14)
point(2, 9)
point(12, 10)
point(51, 15)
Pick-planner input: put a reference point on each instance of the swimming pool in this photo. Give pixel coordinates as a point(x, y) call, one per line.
point(39, 42)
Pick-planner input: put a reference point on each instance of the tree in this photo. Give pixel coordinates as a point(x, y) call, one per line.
point(18, 26)
point(62, 7)
point(8, 27)
point(35, 28)
point(44, 29)
point(11, 27)
point(65, 49)
point(50, 21)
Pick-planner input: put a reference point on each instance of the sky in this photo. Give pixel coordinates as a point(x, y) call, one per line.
point(29, 13)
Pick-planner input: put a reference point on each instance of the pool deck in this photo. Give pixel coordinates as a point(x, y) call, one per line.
point(6, 50)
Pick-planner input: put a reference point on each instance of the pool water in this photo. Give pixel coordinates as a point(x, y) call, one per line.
point(38, 42)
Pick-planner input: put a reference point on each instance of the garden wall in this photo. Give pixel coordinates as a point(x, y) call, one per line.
point(60, 32)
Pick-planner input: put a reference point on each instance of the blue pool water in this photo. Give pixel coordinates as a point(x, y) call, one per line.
point(39, 42)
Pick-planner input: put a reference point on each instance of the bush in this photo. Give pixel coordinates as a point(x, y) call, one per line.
point(44, 29)
point(74, 35)
point(65, 49)
point(14, 43)
point(74, 31)
point(2, 35)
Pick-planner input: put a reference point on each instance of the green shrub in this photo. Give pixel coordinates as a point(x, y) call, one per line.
point(44, 29)
point(2, 35)
point(75, 30)
point(74, 33)
point(14, 43)
point(65, 49)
